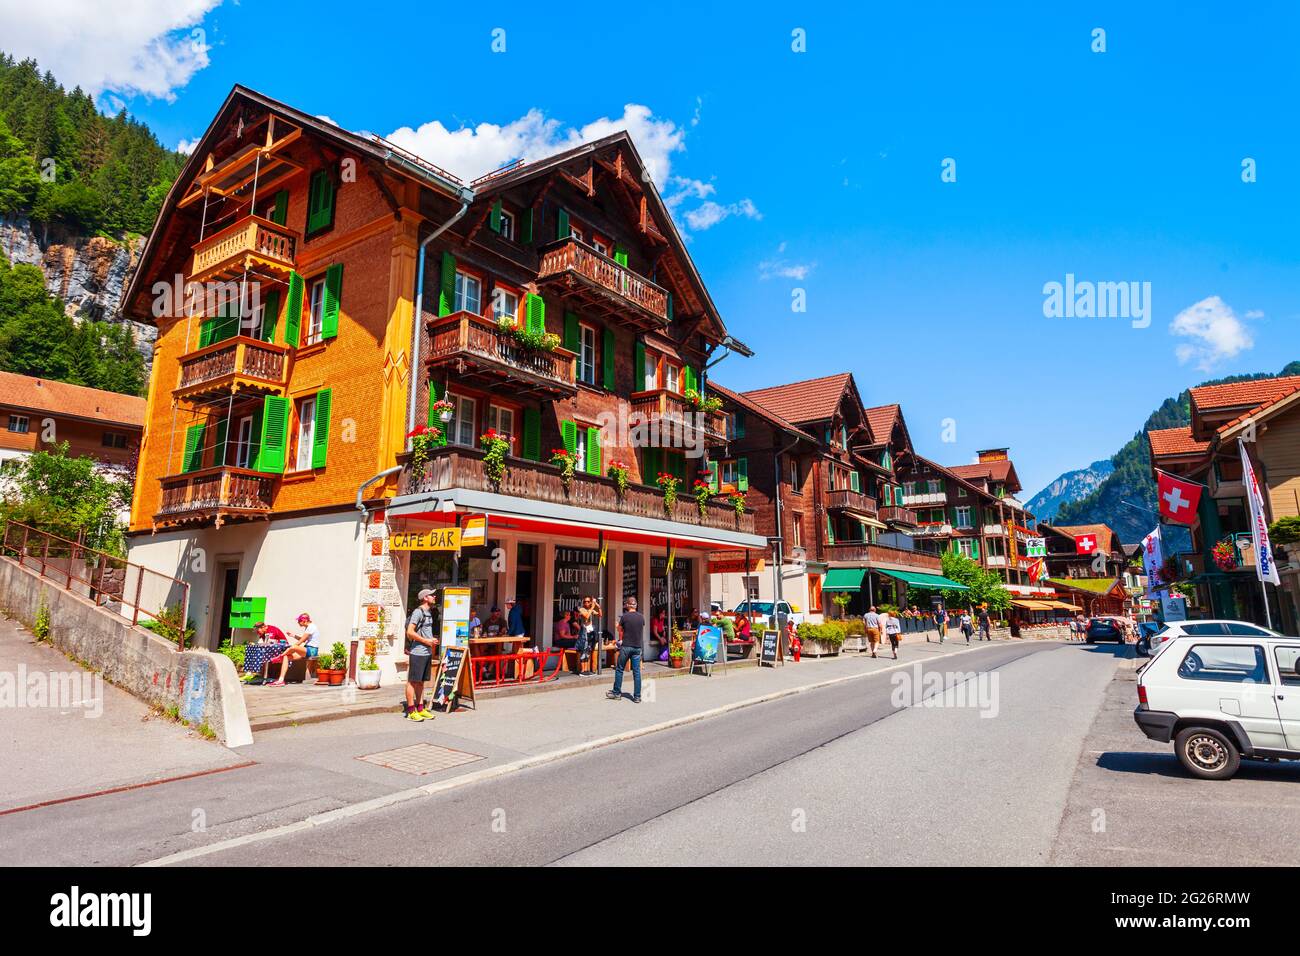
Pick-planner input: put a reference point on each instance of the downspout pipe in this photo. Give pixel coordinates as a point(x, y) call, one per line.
point(361, 489)
point(466, 198)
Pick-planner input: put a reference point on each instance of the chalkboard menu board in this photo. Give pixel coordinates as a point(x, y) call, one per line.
point(631, 575)
point(455, 684)
point(770, 650)
point(683, 581)
point(577, 575)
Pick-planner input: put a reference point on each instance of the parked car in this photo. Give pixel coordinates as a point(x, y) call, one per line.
point(1223, 697)
point(1104, 629)
point(1146, 630)
point(761, 612)
point(1220, 626)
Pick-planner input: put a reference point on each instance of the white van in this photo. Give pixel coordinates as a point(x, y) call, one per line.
point(1221, 697)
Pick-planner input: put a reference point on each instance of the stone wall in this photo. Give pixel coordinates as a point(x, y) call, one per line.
point(202, 686)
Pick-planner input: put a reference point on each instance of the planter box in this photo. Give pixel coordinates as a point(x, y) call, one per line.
point(823, 648)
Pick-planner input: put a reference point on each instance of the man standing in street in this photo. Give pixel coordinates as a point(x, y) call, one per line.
point(420, 645)
point(872, 621)
point(985, 623)
point(631, 644)
point(941, 622)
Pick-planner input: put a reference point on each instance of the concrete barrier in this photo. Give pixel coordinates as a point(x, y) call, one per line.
point(204, 687)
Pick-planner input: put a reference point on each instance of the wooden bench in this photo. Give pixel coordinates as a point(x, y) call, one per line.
point(744, 649)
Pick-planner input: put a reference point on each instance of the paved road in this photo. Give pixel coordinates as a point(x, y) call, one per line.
point(838, 775)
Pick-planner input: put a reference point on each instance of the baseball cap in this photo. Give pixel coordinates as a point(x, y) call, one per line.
point(425, 592)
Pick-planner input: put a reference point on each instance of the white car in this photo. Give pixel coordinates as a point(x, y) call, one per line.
point(764, 611)
point(1220, 697)
point(1198, 628)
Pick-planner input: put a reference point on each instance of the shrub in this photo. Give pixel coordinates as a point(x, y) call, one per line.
point(41, 626)
point(854, 627)
point(832, 632)
point(168, 626)
point(235, 653)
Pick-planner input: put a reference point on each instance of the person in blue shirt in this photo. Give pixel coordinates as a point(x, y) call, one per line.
point(514, 619)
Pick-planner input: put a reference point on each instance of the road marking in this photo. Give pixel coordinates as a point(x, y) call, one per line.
point(127, 787)
point(527, 763)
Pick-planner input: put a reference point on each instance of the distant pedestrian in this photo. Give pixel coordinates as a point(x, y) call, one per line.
point(631, 645)
point(872, 622)
point(966, 628)
point(892, 628)
point(941, 623)
point(985, 623)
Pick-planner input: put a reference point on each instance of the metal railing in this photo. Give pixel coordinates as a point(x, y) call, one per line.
point(112, 583)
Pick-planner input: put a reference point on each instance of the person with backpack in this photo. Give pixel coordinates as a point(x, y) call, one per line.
point(421, 645)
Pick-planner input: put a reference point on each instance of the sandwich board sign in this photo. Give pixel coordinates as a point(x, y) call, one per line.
point(455, 683)
point(770, 650)
point(455, 617)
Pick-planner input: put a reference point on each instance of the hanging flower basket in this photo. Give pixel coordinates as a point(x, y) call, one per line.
point(562, 459)
point(668, 484)
point(618, 470)
point(443, 410)
point(701, 492)
point(496, 446)
point(1225, 556)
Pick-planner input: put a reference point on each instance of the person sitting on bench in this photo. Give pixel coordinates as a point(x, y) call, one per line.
point(306, 644)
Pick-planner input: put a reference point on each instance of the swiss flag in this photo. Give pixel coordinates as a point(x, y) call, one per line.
point(1178, 499)
point(1085, 543)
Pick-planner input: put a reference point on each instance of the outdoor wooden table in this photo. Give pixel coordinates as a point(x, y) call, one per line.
point(488, 642)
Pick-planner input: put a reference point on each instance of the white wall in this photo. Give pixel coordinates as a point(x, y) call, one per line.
point(729, 590)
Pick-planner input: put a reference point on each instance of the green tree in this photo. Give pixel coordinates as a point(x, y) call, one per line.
point(68, 496)
point(985, 587)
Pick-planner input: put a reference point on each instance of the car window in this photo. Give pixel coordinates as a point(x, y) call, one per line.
point(1227, 663)
point(1204, 629)
point(1250, 630)
point(1287, 658)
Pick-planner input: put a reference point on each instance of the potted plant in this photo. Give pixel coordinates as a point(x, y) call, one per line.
point(338, 663)
point(822, 639)
point(423, 440)
point(668, 485)
point(532, 340)
point(737, 499)
point(368, 674)
point(564, 460)
point(496, 446)
point(701, 491)
point(676, 650)
point(842, 600)
point(618, 470)
point(442, 409)
point(701, 402)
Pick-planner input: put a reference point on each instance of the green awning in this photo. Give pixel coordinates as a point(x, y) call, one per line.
point(935, 581)
point(844, 579)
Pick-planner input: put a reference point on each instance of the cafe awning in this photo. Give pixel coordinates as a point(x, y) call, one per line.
point(844, 579)
point(1063, 606)
point(1032, 605)
point(921, 580)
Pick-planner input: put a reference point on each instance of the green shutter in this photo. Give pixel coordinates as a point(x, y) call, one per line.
point(830, 530)
point(270, 315)
point(526, 226)
point(330, 309)
point(494, 219)
point(219, 450)
point(432, 419)
point(975, 547)
point(447, 284)
point(607, 358)
point(670, 306)
point(649, 465)
point(569, 432)
point(742, 474)
point(320, 437)
point(532, 448)
point(226, 323)
point(562, 224)
point(274, 440)
point(320, 201)
point(740, 424)
point(571, 340)
point(689, 379)
point(638, 364)
point(205, 331)
point(713, 477)
point(853, 481)
point(293, 311)
point(620, 256)
point(280, 207)
point(193, 458)
point(534, 312)
point(593, 451)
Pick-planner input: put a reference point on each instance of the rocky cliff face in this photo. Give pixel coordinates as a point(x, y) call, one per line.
point(1070, 486)
point(87, 272)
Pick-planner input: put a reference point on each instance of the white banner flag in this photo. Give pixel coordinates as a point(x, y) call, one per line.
point(1265, 569)
point(1153, 556)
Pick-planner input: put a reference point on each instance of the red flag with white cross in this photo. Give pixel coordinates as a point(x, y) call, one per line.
point(1178, 499)
point(1085, 543)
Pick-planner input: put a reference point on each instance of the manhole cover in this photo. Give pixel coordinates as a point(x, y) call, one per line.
point(421, 758)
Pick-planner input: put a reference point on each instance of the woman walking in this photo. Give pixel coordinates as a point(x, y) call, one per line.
point(892, 629)
point(966, 624)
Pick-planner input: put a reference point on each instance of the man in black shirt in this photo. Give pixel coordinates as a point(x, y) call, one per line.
point(631, 644)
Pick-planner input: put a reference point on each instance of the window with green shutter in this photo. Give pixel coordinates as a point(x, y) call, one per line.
point(532, 443)
point(830, 530)
point(650, 465)
point(562, 224)
point(713, 477)
point(571, 333)
point(742, 474)
point(535, 312)
point(280, 207)
point(193, 458)
point(620, 256)
point(330, 307)
point(431, 417)
point(293, 311)
point(569, 433)
point(690, 379)
point(607, 359)
point(320, 202)
point(593, 451)
point(321, 433)
point(447, 284)
point(854, 481)
point(270, 315)
point(274, 441)
point(738, 422)
point(494, 218)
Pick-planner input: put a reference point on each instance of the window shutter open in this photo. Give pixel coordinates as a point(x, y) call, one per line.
point(649, 465)
point(280, 207)
point(607, 358)
point(571, 341)
point(532, 447)
point(526, 226)
point(689, 380)
point(740, 424)
point(293, 311)
point(620, 256)
point(270, 315)
point(638, 364)
point(569, 432)
point(205, 331)
point(494, 219)
point(593, 451)
point(830, 530)
point(193, 458)
point(320, 436)
point(562, 224)
point(219, 450)
point(330, 309)
point(447, 284)
point(853, 481)
point(713, 477)
point(670, 306)
point(742, 474)
point(275, 435)
point(320, 201)
point(534, 312)
point(434, 394)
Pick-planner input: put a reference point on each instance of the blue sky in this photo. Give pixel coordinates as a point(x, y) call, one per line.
point(821, 170)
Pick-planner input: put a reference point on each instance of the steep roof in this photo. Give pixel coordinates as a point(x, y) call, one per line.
point(1175, 441)
point(881, 420)
point(1106, 537)
point(77, 401)
point(1002, 471)
point(1242, 394)
point(811, 400)
point(754, 408)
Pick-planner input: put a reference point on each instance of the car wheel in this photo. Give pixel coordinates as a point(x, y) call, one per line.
point(1206, 753)
point(1090, 640)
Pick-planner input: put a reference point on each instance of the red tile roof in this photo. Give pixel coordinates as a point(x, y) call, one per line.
point(881, 421)
point(808, 401)
point(1241, 394)
point(993, 470)
point(1175, 441)
point(1106, 538)
point(60, 398)
point(754, 408)
point(1262, 406)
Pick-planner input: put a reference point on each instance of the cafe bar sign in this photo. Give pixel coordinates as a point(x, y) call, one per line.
point(439, 539)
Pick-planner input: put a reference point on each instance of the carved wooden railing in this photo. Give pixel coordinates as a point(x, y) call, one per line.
point(898, 515)
point(464, 333)
point(213, 489)
point(853, 500)
point(251, 235)
point(463, 468)
point(881, 554)
point(663, 403)
point(239, 356)
point(570, 255)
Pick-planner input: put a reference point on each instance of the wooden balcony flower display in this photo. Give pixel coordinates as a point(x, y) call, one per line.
point(496, 446)
point(564, 460)
point(701, 492)
point(618, 470)
point(668, 484)
point(532, 340)
point(699, 402)
point(424, 439)
point(737, 499)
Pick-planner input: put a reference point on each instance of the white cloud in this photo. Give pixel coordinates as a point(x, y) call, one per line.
point(149, 47)
point(1214, 331)
point(186, 146)
point(470, 152)
point(709, 213)
point(681, 188)
point(779, 267)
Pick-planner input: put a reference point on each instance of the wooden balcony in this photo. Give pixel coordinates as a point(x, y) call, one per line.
point(463, 468)
point(845, 499)
point(1226, 479)
point(251, 243)
point(663, 404)
point(926, 498)
point(482, 356)
point(894, 515)
point(240, 364)
point(215, 494)
point(881, 555)
point(599, 286)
